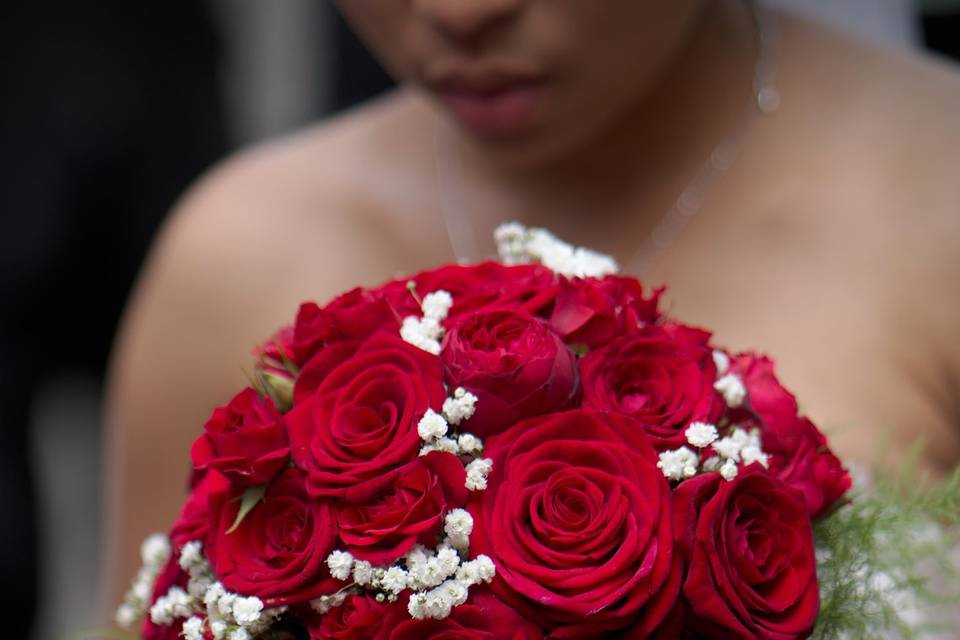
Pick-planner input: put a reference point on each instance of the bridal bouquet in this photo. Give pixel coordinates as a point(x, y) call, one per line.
point(521, 449)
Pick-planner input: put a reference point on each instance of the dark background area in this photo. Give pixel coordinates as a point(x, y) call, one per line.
point(110, 110)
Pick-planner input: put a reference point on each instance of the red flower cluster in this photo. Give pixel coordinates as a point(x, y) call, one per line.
point(581, 386)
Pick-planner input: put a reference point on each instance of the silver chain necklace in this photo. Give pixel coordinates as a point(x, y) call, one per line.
point(764, 100)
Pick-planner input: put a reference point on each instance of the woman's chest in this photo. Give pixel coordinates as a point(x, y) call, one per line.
point(844, 310)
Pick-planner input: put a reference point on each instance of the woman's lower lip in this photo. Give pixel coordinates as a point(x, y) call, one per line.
point(498, 113)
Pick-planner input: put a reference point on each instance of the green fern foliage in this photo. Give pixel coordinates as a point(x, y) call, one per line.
point(888, 560)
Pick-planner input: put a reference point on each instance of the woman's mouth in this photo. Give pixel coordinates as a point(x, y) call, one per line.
point(492, 103)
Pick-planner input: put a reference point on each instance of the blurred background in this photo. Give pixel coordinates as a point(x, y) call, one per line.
point(110, 110)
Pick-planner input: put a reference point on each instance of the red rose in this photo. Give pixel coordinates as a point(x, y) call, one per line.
point(800, 457)
point(194, 520)
point(320, 366)
point(362, 420)
point(513, 363)
point(384, 517)
point(276, 351)
point(487, 285)
point(661, 375)
point(358, 618)
point(278, 551)
point(593, 312)
point(767, 396)
point(576, 518)
point(355, 315)
point(171, 576)
point(244, 440)
point(798, 451)
point(483, 617)
point(748, 544)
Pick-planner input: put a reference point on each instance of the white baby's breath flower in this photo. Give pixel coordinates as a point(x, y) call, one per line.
point(721, 361)
point(431, 426)
point(510, 239)
point(678, 464)
point(449, 561)
point(362, 572)
point(191, 555)
point(432, 573)
point(455, 591)
point(729, 447)
point(181, 604)
point(446, 445)
point(731, 388)
point(701, 434)
point(175, 604)
point(438, 604)
point(417, 606)
point(142, 588)
point(160, 613)
point(340, 564)
point(728, 470)
point(417, 557)
point(516, 245)
point(460, 407)
point(591, 264)
point(155, 550)
point(219, 629)
point(213, 594)
point(225, 605)
point(458, 525)
point(240, 634)
point(436, 305)
point(486, 570)
point(421, 333)
point(752, 453)
point(395, 580)
point(126, 616)
point(198, 584)
point(480, 569)
point(246, 611)
point(712, 464)
point(477, 472)
point(470, 444)
point(193, 628)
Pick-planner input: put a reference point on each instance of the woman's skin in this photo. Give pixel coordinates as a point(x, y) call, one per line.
point(833, 243)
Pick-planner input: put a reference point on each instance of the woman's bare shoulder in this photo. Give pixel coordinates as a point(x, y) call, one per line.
point(292, 220)
point(875, 130)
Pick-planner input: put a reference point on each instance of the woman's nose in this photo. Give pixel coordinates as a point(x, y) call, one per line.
point(466, 19)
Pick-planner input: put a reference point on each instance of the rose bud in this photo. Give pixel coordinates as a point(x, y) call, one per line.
point(244, 440)
point(480, 287)
point(279, 387)
point(593, 312)
point(799, 452)
point(515, 365)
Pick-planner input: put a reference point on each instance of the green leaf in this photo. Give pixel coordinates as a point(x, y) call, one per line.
point(250, 498)
point(897, 537)
point(257, 386)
